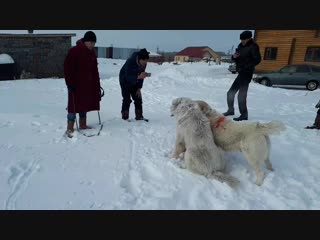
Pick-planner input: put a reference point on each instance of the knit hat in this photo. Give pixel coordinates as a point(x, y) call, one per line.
point(90, 37)
point(245, 35)
point(143, 54)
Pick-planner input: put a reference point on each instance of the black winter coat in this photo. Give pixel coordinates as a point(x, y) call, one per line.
point(249, 57)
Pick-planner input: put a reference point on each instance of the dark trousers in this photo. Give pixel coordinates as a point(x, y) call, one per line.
point(241, 84)
point(127, 94)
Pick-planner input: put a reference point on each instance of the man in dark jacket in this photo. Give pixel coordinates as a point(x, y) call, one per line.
point(82, 80)
point(246, 57)
point(131, 77)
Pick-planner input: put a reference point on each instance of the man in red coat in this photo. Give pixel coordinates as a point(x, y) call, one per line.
point(83, 81)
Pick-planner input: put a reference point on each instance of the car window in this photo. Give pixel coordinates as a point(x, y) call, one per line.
point(303, 69)
point(315, 69)
point(289, 69)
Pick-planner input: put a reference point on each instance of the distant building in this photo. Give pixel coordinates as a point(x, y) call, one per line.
point(124, 53)
point(196, 54)
point(36, 55)
point(279, 48)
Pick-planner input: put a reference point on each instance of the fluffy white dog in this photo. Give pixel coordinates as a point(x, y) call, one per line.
point(194, 137)
point(251, 138)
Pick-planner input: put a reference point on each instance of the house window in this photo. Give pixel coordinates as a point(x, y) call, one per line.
point(312, 54)
point(270, 53)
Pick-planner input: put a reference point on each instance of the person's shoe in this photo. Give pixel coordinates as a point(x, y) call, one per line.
point(241, 118)
point(70, 129)
point(125, 115)
point(83, 124)
point(228, 113)
point(139, 115)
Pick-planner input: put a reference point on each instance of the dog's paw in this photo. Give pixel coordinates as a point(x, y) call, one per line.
point(271, 169)
point(181, 164)
point(259, 182)
point(174, 156)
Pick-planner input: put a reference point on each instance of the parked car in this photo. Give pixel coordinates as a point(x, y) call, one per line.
point(232, 68)
point(299, 74)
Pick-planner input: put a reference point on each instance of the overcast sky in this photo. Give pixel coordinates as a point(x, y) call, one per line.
point(166, 40)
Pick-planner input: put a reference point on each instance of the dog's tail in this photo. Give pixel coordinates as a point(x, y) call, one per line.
point(221, 177)
point(273, 127)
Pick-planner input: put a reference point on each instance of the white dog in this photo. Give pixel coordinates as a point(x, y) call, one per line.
point(194, 137)
point(251, 138)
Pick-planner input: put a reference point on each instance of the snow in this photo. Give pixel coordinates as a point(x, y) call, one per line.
point(127, 166)
point(5, 59)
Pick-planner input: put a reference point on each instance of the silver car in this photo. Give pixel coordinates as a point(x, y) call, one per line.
point(232, 68)
point(299, 74)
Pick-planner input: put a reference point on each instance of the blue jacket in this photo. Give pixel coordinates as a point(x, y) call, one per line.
point(129, 72)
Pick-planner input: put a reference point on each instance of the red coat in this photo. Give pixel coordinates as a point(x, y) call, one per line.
point(81, 73)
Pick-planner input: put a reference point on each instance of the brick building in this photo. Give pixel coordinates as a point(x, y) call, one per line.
point(37, 55)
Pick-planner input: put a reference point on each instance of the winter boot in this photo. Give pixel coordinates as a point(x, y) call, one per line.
point(83, 123)
point(316, 124)
point(70, 129)
point(241, 118)
point(229, 113)
point(317, 121)
point(125, 115)
point(139, 115)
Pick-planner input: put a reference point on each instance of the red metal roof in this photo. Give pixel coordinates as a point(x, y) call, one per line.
point(192, 52)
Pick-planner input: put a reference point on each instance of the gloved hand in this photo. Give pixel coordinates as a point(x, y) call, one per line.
point(318, 105)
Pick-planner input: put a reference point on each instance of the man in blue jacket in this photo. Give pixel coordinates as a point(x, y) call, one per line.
point(131, 77)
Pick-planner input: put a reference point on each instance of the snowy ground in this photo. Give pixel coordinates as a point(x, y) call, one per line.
point(127, 166)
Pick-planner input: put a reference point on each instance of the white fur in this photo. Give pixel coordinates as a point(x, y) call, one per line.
point(251, 138)
point(194, 137)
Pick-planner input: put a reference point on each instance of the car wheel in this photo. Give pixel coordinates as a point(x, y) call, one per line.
point(312, 85)
point(265, 82)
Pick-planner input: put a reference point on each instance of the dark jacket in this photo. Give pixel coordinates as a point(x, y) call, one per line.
point(249, 57)
point(129, 72)
point(81, 74)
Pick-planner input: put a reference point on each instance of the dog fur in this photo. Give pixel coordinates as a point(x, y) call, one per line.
point(195, 140)
point(251, 138)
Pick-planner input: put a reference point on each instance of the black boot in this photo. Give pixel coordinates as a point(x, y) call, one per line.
point(229, 113)
point(242, 117)
point(316, 124)
point(125, 115)
point(139, 115)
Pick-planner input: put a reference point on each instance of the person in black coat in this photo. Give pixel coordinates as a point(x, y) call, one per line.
point(132, 75)
point(246, 57)
point(316, 124)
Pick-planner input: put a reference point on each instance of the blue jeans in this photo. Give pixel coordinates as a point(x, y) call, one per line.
point(72, 116)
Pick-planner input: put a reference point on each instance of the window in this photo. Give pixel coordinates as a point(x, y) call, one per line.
point(312, 54)
point(303, 69)
point(270, 53)
point(289, 69)
point(315, 69)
